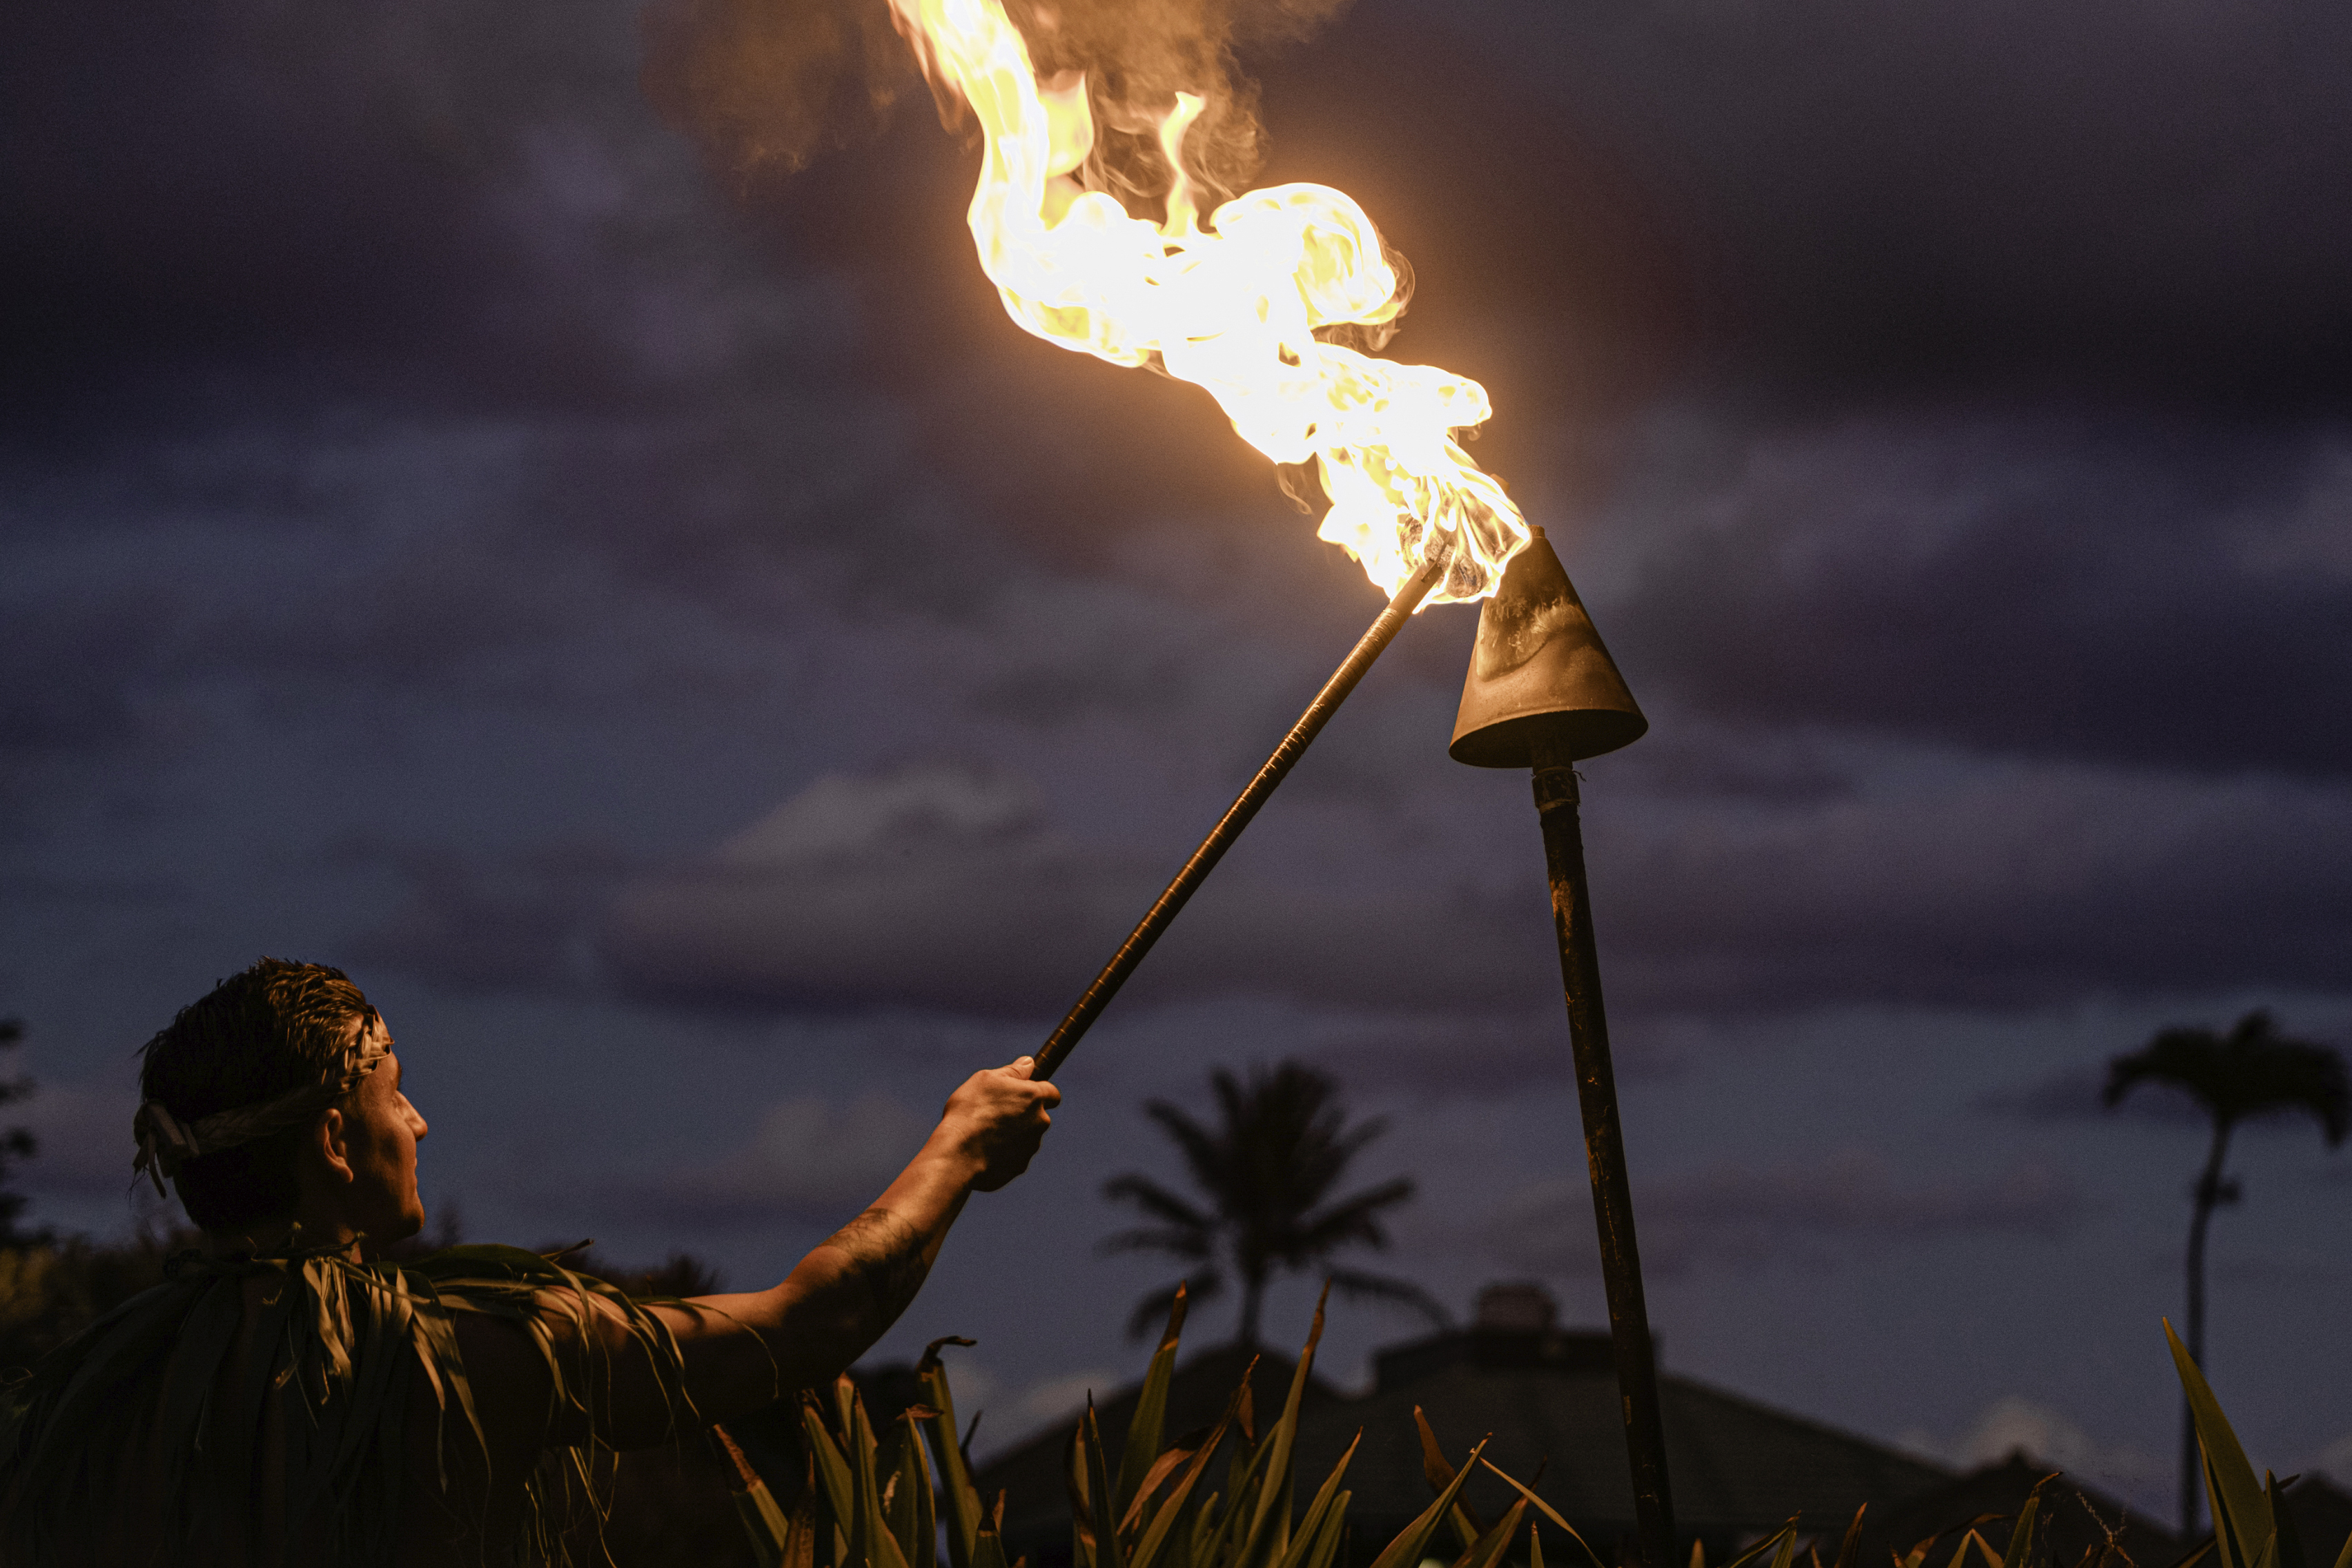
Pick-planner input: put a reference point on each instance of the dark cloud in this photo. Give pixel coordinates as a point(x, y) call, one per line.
point(808, 1160)
point(944, 888)
point(1982, 888)
point(2072, 1094)
point(2010, 194)
point(949, 887)
point(188, 195)
point(2121, 592)
point(83, 1131)
point(1802, 1213)
point(517, 924)
point(70, 670)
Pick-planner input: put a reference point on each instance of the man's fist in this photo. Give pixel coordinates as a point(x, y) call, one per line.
point(997, 1119)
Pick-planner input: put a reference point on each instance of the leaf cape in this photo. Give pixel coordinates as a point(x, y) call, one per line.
point(333, 1349)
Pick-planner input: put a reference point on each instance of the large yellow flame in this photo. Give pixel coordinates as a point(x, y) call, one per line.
point(1233, 308)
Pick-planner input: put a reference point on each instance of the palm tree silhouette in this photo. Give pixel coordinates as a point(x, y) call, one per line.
point(2253, 1071)
point(18, 1144)
point(1281, 1144)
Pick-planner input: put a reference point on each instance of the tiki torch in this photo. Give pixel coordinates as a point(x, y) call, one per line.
point(1543, 694)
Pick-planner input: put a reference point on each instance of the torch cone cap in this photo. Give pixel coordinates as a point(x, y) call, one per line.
point(1539, 663)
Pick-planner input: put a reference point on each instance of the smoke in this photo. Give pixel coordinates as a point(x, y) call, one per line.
point(767, 86)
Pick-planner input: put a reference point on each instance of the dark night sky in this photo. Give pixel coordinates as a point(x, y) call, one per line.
point(716, 682)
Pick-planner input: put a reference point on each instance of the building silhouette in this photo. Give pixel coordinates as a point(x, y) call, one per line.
point(1546, 1399)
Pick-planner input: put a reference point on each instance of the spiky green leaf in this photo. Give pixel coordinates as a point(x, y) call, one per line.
point(955, 1474)
point(2241, 1514)
point(1144, 1432)
point(1405, 1551)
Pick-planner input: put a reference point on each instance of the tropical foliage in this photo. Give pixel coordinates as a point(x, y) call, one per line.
point(874, 1500)
point(2251, 1072)
point(1266, 1169)
point(880, 1500)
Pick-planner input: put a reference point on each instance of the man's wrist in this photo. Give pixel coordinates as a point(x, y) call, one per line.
point(955, 1155)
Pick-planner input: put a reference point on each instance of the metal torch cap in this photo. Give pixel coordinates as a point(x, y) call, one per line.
point(1539, 662)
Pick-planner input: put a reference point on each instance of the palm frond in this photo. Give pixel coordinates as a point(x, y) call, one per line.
point(1356, 1218)
point(1357, 1286)
point(1174, 1241)
point(2253, 1071)
point(1202, 1152)
point(1156, 1201)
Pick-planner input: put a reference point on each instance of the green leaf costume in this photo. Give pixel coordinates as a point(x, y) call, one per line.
point(331, 1352)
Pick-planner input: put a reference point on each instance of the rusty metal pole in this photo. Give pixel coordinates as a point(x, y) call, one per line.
point(1542, 693)
point(1557, 802)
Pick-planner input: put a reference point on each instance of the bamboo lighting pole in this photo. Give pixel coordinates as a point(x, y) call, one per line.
point(1163, 912)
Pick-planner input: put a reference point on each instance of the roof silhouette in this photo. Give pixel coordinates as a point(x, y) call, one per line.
point(2078, 1517)
point(1549, 1399)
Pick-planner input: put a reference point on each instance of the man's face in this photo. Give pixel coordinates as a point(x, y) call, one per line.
point(380, 1134)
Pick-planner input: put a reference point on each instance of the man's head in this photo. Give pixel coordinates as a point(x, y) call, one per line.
point(289, 1035)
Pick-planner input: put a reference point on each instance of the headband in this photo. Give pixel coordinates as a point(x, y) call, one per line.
point(165, 1143)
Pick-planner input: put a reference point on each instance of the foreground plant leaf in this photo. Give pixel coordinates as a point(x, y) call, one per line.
point(1437, 1471)
point(1405, 1551)
point(1489, 1548)
point(955, 1469)
point(1589, 1556)
point(1849, 1549)
point(770, 1532)
point(1163, 1522)
point(1274, 1489)
point(831, 1468)
point(1143, 1431)
point(2021, 1538)
point(1310, 1529)
point(2242, 1524)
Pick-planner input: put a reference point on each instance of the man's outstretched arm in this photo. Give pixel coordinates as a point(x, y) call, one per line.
point(743, 1351)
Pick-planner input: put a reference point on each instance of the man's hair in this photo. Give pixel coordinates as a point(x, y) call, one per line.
point(263, 1032)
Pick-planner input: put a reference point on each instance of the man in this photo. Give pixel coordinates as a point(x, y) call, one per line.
point(278, 1401)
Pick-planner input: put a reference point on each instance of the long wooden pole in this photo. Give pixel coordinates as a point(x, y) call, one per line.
point(1163, 912)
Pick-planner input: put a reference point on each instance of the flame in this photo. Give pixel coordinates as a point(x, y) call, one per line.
point(1233, 306)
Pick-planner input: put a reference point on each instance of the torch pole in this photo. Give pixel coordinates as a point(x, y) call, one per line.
point(1557, 801)
point(1162, 913)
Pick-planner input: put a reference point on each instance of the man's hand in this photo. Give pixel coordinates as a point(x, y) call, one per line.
point(995, 1122)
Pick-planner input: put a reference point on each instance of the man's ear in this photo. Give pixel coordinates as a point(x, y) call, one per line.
point(331, 1143)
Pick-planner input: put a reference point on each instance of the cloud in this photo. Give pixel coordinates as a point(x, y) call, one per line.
point(84, 1133)
point(2106, 588)
point(943, 886)
point(2014, 1424)
point(1804, 1214)
point(2337, 1459)
point(948, 888)
point(1950, 881)
point(517, 922)
point(808, 1160)
point(1885, 197)
point(2078, 1094)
